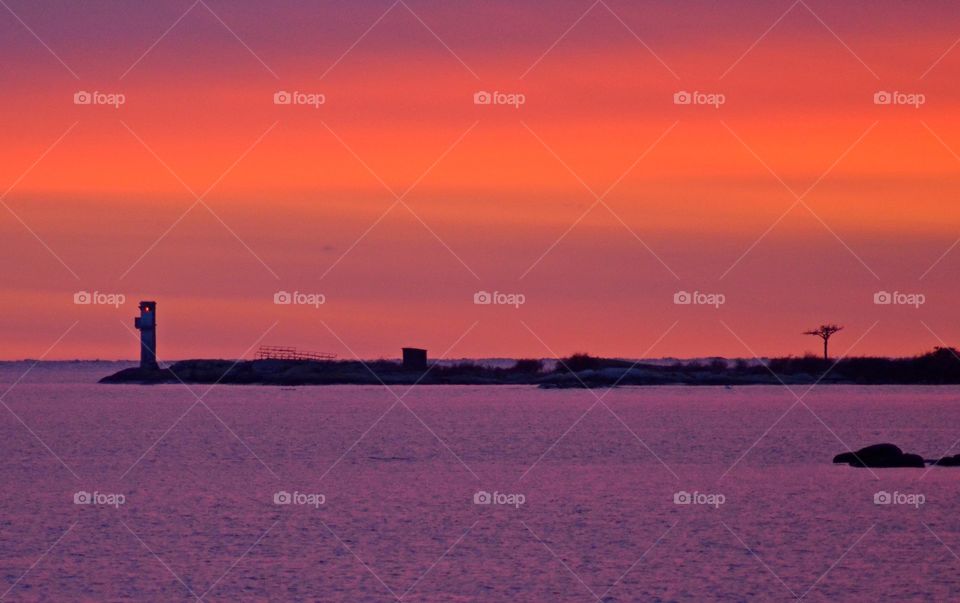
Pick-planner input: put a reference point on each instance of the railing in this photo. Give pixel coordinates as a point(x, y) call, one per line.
point(276, 352)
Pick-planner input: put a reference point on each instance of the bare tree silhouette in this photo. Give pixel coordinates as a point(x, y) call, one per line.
point(824, 332)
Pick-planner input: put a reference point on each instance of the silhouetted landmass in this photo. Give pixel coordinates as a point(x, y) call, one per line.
point(881, 456)
point(888, 456)
point(940, 366)
point(313, 372)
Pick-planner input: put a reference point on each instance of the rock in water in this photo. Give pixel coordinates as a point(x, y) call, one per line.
point(949, 461)
point(880, 456)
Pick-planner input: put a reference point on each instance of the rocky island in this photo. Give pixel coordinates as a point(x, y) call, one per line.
point(938, 367)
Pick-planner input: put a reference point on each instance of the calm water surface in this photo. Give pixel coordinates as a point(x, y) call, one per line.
point(398, 480)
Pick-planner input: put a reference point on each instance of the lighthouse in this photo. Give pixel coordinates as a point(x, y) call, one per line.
point(147, 324)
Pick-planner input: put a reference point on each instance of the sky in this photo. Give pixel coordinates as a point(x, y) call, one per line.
point(785, 195)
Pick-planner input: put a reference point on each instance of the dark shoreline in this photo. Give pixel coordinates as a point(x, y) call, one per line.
point(939, 367)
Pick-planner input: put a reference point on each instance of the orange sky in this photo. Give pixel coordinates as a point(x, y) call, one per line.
point(300, 195)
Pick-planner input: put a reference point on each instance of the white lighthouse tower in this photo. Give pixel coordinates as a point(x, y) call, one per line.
point(147, 324)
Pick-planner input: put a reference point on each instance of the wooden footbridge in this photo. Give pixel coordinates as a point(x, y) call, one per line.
point(277, 352)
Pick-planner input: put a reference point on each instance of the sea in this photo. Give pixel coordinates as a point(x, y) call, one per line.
point(469, 493)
